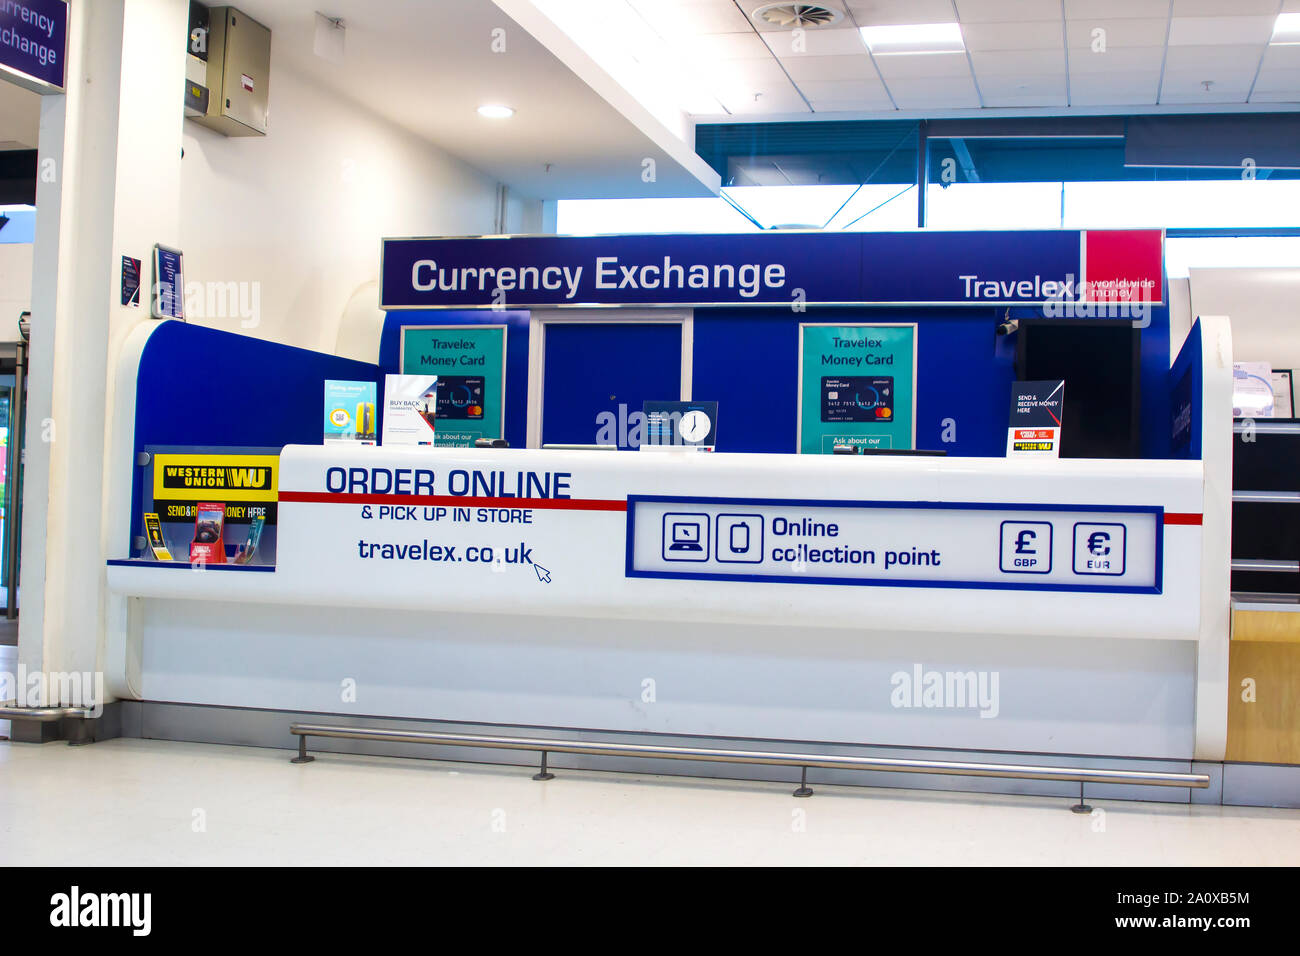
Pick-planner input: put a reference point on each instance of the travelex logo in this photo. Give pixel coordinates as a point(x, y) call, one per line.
point(607, 273)
point(1068, 297)
point(1035, 289)
point(76, 908)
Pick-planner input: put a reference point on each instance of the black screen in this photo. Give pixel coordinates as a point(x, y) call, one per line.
point(1099, 361)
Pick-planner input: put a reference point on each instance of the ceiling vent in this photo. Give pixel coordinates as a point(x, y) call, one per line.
point(796, 16)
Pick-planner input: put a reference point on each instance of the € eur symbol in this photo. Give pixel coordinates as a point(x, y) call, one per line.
point(1098, 543)
point(1023, 542)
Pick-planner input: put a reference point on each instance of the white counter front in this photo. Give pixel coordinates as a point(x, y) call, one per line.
point(754, 595)
point(1064, 548)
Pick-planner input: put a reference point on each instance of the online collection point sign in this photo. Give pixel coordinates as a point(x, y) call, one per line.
point(897, 544)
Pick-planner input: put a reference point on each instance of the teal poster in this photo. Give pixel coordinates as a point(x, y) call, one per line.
point(470, 362)
point(856, 386)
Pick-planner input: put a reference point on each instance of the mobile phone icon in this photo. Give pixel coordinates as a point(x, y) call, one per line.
point(739, 538)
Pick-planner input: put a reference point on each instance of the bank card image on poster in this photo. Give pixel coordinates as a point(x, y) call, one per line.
point(857, 398)
point(460, 397)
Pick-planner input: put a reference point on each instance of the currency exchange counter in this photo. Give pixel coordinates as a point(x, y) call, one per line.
point(1070, 612)
point(968, 604)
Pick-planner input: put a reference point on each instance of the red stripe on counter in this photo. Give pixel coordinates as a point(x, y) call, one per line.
point(460, 501)
point(554, 504)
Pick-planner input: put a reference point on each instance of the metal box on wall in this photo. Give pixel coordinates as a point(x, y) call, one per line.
point(239, 73)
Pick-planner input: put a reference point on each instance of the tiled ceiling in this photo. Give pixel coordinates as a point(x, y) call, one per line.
point(1018, 53)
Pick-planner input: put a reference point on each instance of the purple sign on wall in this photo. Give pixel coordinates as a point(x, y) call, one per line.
point(33, 42)
point(791, 269)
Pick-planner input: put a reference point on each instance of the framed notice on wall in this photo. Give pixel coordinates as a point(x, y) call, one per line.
point(857, 386)
point(168, 283)
point(470, 363)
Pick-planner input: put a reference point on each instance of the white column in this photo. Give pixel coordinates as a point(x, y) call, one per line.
point(109, 185)
point(1216, 540)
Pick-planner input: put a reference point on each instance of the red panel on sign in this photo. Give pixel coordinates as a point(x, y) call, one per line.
point(1123, 265)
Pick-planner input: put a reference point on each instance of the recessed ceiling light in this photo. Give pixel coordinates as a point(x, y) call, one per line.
point(496, 112)
point(1286, 29)
point(914, 38)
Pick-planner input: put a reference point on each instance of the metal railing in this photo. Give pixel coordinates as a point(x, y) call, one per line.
point(1265, 564)
point(1264, 426)
point(1266, 497)
point(9, 710)
point(545, 746)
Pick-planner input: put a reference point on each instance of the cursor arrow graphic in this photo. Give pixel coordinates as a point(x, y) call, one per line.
point(542, 574)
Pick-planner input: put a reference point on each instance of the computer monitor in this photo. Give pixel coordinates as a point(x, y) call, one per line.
point(1100, 362)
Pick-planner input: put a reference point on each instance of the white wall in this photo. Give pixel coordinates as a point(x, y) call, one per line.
point(15, 286)
point(301, 211)
point(110, 185)
point(1180, 315)
point(20, 116)
point(1263, 306)
point(296, 217)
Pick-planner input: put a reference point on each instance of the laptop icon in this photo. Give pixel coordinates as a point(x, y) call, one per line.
point(685, 536)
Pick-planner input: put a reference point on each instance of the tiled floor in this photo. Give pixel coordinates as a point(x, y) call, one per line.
point(147, 802)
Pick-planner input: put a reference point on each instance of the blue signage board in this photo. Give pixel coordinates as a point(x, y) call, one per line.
point(1013, 268)
point(34, 42)
point(627, 270)
point(792, 269)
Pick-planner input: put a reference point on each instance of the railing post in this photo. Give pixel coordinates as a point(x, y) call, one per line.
point(1081, 807)
point(804, 790)
point(543, 774)
point(302, 751)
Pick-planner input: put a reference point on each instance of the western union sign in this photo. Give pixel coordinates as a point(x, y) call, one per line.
point(246, 483)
